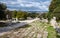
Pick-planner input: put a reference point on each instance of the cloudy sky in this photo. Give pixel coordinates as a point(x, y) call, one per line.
point(27, 5)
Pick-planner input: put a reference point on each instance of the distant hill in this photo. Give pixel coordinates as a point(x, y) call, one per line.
point(36, 11)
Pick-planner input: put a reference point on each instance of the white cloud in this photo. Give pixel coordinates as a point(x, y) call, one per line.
point(24, 3)
point(11, 9)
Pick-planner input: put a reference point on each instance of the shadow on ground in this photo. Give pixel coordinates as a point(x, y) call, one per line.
point(14, 26)
point(58, 32)
point(3, 24)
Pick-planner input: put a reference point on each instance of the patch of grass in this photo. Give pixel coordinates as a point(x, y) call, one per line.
point(51, 32)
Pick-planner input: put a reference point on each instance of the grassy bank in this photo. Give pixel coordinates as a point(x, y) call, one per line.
point(51, 31)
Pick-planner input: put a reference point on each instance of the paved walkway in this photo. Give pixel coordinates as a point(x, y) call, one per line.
point(32, 31)
point(17, 25)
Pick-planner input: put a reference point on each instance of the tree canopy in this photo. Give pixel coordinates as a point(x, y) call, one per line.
point(3, 7)
point(14, 14)
point(54, 4)
point(54, 9)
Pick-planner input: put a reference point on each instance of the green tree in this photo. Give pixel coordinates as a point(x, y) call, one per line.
point(53, 5)
point(21, 14)
point(56, 13)
point(14, 14)
point(54, 9)
point(33, 15)
point(25, 15)
point(57, 10)
point(44, 15)
point(3, 7)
